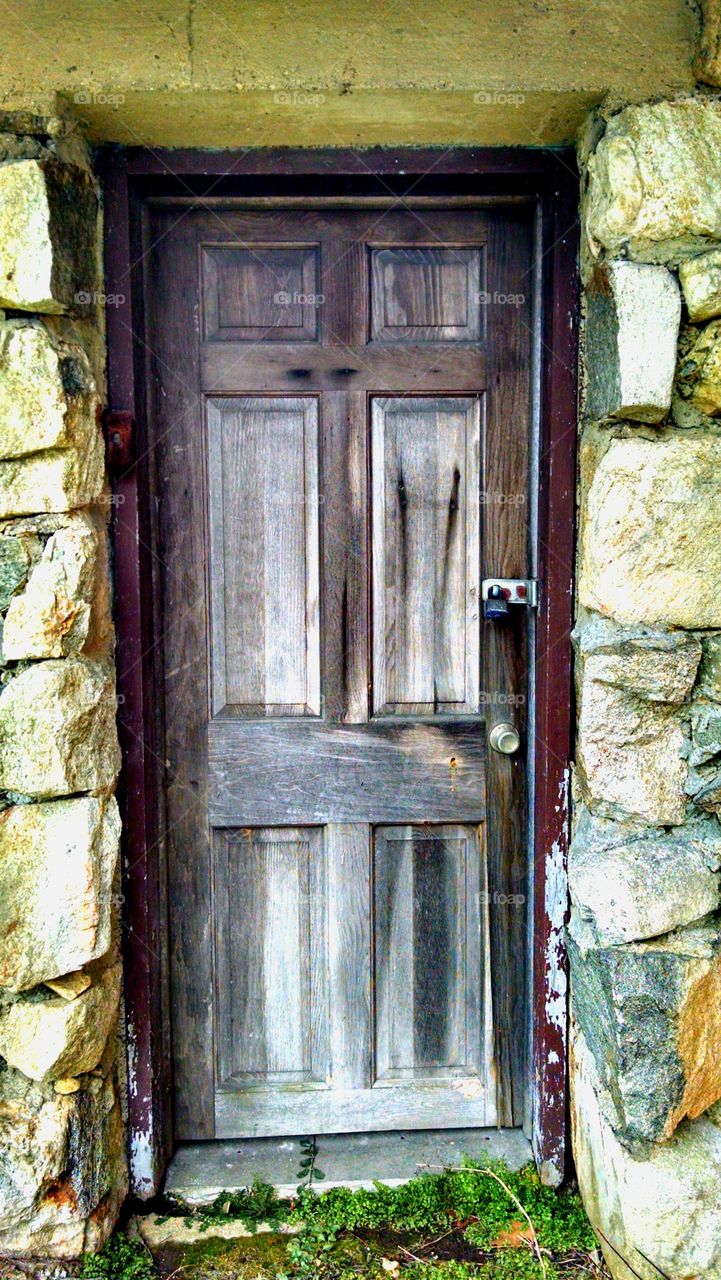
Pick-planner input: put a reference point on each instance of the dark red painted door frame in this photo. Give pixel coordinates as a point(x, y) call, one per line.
point(131, 178)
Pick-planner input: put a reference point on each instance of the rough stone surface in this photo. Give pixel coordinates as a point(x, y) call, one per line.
point(699, 380)
point(660, 1213)
point(707, 63)
point(633, 318)
point(705, 733)
point(57, 729)
point(629, 883)
point(47, 392)
point(47, 236)
point(658, 666)
point(57, 866)
point(62, 1166)
point(653, 182)
point(650, 1013)
point(650, 551)
point(54, 480)
point(708, 684)
point(701, 283)
point(51, 617)
point(629, 752)
point(51, 1038)
point(17, 555)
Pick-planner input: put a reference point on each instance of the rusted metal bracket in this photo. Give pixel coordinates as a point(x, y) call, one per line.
point(119, 430)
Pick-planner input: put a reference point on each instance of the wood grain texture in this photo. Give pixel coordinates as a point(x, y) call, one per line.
point(429, 952)
point(426, 294)
point(426, 555)
point(265, 547)
point(271, 956)
point(259, 292)
point(506, 549)
point(345, 773)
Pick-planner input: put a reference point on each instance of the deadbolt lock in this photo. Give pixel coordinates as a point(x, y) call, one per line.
point(504, 738)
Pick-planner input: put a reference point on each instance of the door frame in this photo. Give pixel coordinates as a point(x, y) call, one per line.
point(131, 179)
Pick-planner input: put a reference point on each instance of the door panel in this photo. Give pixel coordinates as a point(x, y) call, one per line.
point(426, 557)
point(338, 421)
point(264, 542)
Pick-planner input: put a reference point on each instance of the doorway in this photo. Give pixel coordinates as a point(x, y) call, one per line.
point(341, 420)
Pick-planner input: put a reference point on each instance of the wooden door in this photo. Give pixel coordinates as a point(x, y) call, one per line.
point(339, 407)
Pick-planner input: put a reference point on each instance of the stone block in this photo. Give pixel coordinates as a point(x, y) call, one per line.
point(47, 393)
point(51, 616)
point(54, 480)
point(709, 673)
point(63, 1173)
point(629, 882)
point(633, 318)
point(701, 283)
point(699, 375)
point(58, 861)
point(653, 192)
point(51, 1038)
point(657, 666)
point(629, 752)
point(650, 550)
point(48, 215)
point(660, 1214)
point(18, 552)
point(707, 63)
point(650, 1013)
point(705, 733)
point(57, 729)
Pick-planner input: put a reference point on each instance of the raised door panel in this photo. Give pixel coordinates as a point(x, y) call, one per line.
point(271, 957)
point(264, 564)
point(426, 294)
point(260, 292)
point(431, 948)
point(426, 557)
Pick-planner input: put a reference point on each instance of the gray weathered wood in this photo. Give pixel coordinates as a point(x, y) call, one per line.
point(426, 556)
point(426, 294)
point(430, 952)
point(382, 772)
point(271, 958)
point(264, 533)
point(434, 1104)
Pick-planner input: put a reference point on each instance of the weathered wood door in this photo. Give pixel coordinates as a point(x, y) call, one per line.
point(339, 403)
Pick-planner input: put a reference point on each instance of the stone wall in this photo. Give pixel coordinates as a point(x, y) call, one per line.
point(62, 1163)
point(645, 931)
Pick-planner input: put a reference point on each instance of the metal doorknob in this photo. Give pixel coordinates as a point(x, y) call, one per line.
point(504, 738)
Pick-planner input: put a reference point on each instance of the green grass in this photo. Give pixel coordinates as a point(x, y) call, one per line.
point(347, 1235)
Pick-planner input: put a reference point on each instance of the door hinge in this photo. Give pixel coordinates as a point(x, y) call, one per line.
point(119, 430)
point(513, 590)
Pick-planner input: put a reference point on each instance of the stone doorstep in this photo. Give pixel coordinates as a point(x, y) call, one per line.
point(156, 1231)
point(200, 1171)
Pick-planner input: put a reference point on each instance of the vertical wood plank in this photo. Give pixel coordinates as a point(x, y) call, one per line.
point(349, 953)
point(505, 643)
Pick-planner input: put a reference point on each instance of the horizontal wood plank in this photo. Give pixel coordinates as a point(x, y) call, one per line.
point(236, 368)
point(247, 1113)
point(318, 773)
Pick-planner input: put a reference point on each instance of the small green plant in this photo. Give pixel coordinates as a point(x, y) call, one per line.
point(119, 1259)
point(308, 1171)
point(249, 1205)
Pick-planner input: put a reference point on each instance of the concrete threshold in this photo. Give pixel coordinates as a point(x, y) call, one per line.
point(199, 1171)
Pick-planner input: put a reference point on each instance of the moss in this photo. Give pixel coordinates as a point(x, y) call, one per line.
point(119, 1259)
point(263, 1254)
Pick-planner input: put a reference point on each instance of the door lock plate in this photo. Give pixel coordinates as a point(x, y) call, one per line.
point(515, 590)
